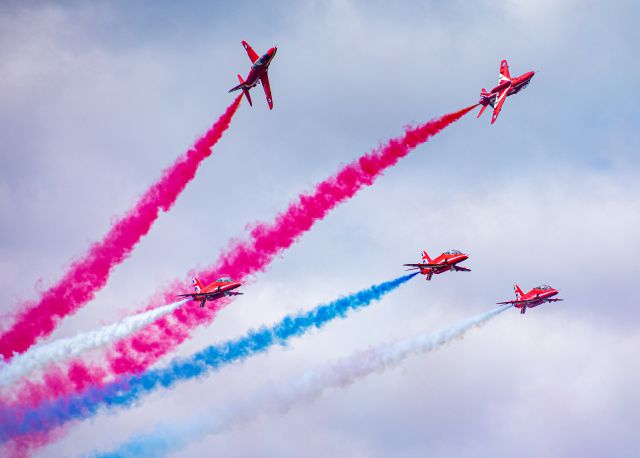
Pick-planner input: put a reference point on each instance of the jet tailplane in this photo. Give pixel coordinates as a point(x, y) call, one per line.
point(244, 88)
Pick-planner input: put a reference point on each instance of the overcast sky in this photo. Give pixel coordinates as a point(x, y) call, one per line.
point(97, 98)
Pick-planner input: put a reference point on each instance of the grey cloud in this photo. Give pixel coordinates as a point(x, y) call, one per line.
point(97, 99)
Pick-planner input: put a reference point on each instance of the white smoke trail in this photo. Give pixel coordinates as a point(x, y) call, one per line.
point(344, 372)
point(61, 349)
point(279, 398)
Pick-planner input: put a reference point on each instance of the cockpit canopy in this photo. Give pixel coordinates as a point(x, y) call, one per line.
point(544, 287)
point(261, 61)
point(452, 252)
point(225, 279)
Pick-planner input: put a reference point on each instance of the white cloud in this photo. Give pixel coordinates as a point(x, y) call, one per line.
point(97, 100)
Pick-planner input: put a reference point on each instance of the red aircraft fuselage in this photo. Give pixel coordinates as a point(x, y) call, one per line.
point(221, 287)
point(446, 262)
point(538, 295)
point(257, 74)
point(259, 68)
point(506, 86)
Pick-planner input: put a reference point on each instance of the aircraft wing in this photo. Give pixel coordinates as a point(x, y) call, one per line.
point(198, 296)
point(461, 269)
point(252, 54)
point(424, 265)
point(212, 295)
point(504, 72)
point(510, 302)
point(239, 86)
point(527, 302)
point(499, 102)
point(517, 302)
point(264, 79)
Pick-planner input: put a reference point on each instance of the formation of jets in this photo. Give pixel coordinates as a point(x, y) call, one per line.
point(448, 262)
point(445, 262)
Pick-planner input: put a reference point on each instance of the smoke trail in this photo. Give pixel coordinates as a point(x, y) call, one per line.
point(267, 240)
point(89, 274)
point(62, 349)
point(281, 397)
point(127, 390)
point(240, 260)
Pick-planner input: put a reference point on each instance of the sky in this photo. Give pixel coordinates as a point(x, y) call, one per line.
point(97, 98)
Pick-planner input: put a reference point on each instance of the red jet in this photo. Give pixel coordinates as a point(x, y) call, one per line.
point(506, 86)
point(223, 286)
point(258, 74)
point(538, 295)
point(445, 262)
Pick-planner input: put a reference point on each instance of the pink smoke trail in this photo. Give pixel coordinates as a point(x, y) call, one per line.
point(240, 260)
point(266, 240)
point(23, 447)
point(90, 273)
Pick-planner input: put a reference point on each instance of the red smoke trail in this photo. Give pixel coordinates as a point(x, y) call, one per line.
point(240, 259)
point(90, 273)
point(265, 242)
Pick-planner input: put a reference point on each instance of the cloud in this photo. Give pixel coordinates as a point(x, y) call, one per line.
point(348, 75)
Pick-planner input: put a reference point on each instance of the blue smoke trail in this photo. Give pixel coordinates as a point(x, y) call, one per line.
point(127, 390)
point(282, 396)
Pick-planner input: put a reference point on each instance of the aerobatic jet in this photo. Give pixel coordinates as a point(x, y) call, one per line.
point(447, 261)
point(223, 286)
point(259, 73)
point(538, 295)
point(506, 86)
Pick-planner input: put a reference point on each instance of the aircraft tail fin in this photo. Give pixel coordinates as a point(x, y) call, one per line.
point(425, 256)
point(518, 291)
point(246, 94)
point(485, 100)
point(244, 89)
point(197, 284)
